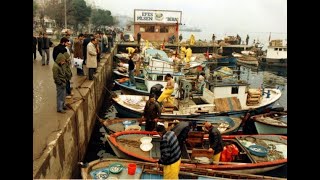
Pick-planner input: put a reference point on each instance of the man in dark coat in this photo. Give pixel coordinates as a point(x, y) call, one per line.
point(215, 141)
point(60, 48)
point(151, 112)
point(139, 38)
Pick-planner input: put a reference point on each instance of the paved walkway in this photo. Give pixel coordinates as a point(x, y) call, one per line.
point(47, 123)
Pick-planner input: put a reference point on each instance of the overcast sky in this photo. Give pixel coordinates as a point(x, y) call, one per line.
point(218, 16)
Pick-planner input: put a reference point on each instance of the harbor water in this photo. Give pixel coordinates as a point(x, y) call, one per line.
point(256, 76)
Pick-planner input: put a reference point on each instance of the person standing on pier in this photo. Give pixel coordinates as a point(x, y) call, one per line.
point(45, 45)
point(92, 62)
point(34, 47)
point(247, 40)
point(151, 112)
point(213, 38)
point(180, 37)
point(60, 79)
point(170, 153)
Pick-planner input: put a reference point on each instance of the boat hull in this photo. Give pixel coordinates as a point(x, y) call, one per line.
point(269, 129)
point(131, 90)
point(254, 166)
point(227, 60)
point(274, 62)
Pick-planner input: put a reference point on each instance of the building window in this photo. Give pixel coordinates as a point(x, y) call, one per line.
point(164, 29)
point(142, 29)
point(284, 49)
point(276, 49)
point(147, 28)
point(235, 90)
point(280, 49)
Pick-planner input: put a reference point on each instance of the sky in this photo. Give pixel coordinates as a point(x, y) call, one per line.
point(222, 17)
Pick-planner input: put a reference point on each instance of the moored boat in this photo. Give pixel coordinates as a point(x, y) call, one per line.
point(100, 169)
point(271, 123)
point(226, 124)
point(256, 153)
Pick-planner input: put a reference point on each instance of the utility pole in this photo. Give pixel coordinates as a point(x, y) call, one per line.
point(65, 14)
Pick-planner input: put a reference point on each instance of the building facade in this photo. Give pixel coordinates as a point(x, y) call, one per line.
point(157, 25)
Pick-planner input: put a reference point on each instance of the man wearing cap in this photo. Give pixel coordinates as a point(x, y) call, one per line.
point(170, 153)
point(60, 79)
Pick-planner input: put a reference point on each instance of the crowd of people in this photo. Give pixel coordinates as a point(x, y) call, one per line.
point(89, 48)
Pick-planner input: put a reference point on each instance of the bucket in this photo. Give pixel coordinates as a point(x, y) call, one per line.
point(132, 168)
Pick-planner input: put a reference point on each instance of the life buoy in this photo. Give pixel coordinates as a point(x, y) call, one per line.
point(282, 60)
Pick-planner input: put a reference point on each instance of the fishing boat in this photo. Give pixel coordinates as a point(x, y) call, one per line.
point(255, 153)
point(271, 123)
point(225, 124)
point(276, 54)
point(230, 99)
point(246, 57)
point(101, 169)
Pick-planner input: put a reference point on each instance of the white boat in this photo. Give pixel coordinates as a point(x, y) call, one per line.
point(231, 99)
point(276, 54)
point(271, 123)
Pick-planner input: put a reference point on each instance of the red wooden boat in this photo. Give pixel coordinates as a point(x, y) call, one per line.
point(246, 161)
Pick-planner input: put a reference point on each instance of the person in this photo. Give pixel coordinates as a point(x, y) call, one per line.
point(40, 44)
point(92, 63)
point(213, 38)
point(201, 82)
point(181, 130)
point(137, 60)
point(130, 50)
point(247, 40)
point(215, 141)
point(67, 70)
point(188, 54)
point(45, 45)
point(168, 89)
point(78, 51)
point(60, 48)
point(180, 37)
point(139, 38)
point(151, 112)
point(60, 79)
point(131, 71)
point(170, 153)
point(34, 47)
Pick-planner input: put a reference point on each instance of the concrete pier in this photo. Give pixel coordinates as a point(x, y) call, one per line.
point(60, 140)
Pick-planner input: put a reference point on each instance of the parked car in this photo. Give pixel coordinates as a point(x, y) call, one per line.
point(49, 31)
point(128, 37)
